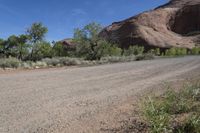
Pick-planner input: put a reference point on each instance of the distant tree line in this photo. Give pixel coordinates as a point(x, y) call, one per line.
point(32, 46)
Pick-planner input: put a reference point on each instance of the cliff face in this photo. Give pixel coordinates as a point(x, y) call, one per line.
point(175, 24)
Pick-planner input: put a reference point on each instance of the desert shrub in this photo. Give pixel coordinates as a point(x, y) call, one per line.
point(134, 50)
point(157, 52)
point(26, 64)
point(170, 52)
point(175, 103)
point(195, 51)
point(176, 52)
point(51, 61)
point(157, 118)
point(63, 61)
point(161, 112)
point(190, 125)
point(106, 49)
point(114, 59)
point(147, 56)
point(181, 51)
point(40, 64)
point(66, 61)
point(9, 63)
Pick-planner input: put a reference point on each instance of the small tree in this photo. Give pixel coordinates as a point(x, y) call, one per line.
point(170, 52)
point(195, 51)
point(59, 50)
point(22, 47)
point(37, 32)
point(157, 52)
point(90, 45)
point(181, 51)
point(36, 35)
point(2, 52)
point(106, 49)
point(42, 50)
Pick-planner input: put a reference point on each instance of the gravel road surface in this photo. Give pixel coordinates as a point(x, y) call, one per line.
point(80, 100)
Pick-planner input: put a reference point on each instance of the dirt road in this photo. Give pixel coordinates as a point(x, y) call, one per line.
point(77, 100)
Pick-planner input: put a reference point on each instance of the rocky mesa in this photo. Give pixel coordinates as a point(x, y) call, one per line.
point(175, 24)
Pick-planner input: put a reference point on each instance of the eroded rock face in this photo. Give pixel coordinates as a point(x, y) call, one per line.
point(175, 24)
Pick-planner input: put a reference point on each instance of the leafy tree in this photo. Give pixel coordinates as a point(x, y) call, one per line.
point(59, 50)
point(36, 35)
point(170, 52)
point(90, 45)
point(22, 47)
point(176, 51)
point(42, 50)
point(2, 42)
point(15, 46)
point(106, 49)
point(195, 51)
point(181, 51)
point(9, 46)
point(37, 32)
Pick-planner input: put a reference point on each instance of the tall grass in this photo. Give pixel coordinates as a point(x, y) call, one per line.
point(162, 112)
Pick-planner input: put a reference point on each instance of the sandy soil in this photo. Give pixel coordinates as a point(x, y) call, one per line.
point(82, 100)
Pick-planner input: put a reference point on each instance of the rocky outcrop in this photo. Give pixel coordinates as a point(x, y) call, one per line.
point(175, 24)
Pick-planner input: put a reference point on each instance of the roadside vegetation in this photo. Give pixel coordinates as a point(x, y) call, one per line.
point(174, 111)
point(31, 50)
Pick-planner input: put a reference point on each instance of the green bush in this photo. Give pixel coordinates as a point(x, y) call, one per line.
point(134, 50)
point(147, 56)
point(161, 112)
point(195, 51)
point(176, 52)
point(106, 49)
point(157, 118)
point(41, 50)
point(181, 51)
point(115, 59)
point(157, 52)
point(59, 50)
point(51, 62)
point(190, 125)
point(9, 63)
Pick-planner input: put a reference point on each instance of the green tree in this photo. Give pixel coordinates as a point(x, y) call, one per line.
point(22, 47)
point(195, 51)
point(16, 46)
point(90, 45)
point(2, 52)
point(170, 52)
point(181, 51)
point(59, 50)
point(37, 32)
point(107, 49)
point(10, 46)
point(42, 50)
point(36, 35)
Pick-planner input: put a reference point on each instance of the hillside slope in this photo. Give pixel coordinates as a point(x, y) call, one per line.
point(175, 24)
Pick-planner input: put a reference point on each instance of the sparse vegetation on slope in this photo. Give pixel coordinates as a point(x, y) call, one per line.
point(174, 111)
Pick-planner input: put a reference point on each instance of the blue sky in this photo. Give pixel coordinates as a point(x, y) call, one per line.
point(62, 16)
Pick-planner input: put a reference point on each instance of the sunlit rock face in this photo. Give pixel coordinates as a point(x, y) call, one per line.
point(175, 24)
